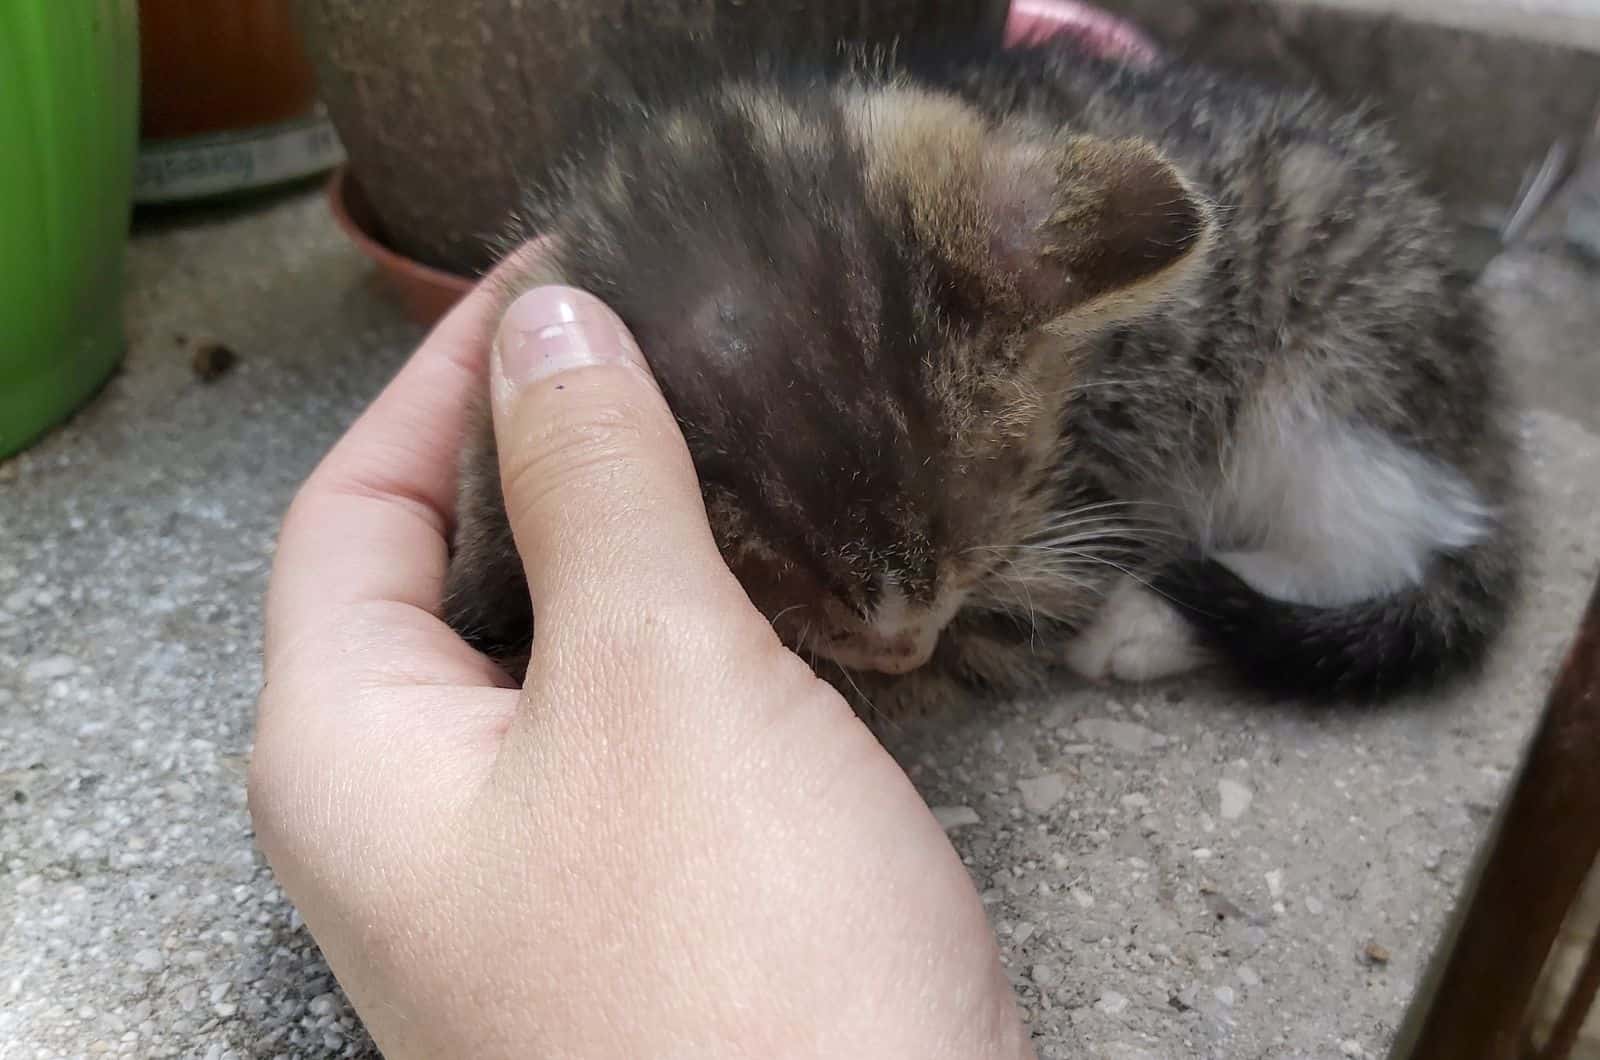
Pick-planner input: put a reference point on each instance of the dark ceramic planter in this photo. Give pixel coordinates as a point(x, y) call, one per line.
point(427, 290)
point(448, 110)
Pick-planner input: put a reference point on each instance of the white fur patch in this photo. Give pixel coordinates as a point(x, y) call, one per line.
point(1135, 636)
point(893, 613)
point(895, 616)
point(1322, 512)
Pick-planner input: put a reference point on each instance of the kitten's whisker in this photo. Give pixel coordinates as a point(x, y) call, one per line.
point(1117, 540)
point(804, 649)
point(1181, 605)
point(1104, 506)
point(1007, 604)
point(1026, 598)
point(873, 707)
point(1092, 384)
point(1094, 526)
point(1104, 530)
point(1057, 526)
point(1123, 542)
point(792, 607)
point(1100, 505)
point(1129, 535)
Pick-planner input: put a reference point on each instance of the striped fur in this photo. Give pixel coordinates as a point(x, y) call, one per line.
point(960, 347)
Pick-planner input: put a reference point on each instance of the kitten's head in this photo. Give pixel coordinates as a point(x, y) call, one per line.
point(866, 305)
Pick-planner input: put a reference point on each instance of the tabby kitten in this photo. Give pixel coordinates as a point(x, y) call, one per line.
point(994, 364)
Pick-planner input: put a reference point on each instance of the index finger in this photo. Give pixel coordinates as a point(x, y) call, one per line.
point(372, 522)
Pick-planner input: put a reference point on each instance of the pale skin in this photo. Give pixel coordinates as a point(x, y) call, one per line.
point(673, 841)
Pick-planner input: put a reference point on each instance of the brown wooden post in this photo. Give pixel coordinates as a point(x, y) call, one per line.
point(1474, 1001)
point(1575, 1010)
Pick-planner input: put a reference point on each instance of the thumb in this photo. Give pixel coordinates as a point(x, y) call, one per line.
point(600, 491)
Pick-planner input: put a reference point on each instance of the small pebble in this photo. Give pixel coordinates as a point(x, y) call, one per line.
point(1112, 1003)
point(1376, 954)
point(952, 817)
point(1121, 735)
point(1224, 995)
point(1040, 794)
point(1234, 799)
point(1045, 975)
point(51, 669)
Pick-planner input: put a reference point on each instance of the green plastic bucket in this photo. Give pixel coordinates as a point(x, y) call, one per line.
point(69, 127)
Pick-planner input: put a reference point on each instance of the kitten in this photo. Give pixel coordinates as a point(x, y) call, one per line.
point(1026, 359)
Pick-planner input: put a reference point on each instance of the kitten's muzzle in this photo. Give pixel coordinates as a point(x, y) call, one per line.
point(897, 653)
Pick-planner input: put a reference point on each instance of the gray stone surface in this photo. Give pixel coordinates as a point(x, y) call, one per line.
point(1570, 23)
point(1478, 92)
point(1173, 873)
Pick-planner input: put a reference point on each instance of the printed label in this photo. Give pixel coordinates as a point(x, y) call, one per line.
point(212, 165)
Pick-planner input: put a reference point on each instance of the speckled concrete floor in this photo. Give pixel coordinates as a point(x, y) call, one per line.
point(1172, 873)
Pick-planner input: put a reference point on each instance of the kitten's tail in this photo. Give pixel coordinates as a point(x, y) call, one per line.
point(1418, 638)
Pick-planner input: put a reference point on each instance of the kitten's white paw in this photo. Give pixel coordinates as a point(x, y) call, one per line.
point(1136, 636)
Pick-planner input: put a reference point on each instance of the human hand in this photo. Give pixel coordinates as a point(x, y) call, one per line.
point(674, 840)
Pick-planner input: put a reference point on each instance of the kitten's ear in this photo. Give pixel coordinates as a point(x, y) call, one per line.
point(1095, 230)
